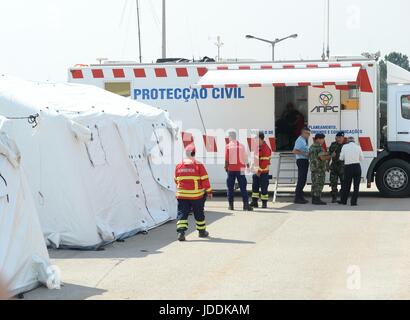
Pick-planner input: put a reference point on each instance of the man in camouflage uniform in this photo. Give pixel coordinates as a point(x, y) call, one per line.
point(336, 166)
point(318, 161)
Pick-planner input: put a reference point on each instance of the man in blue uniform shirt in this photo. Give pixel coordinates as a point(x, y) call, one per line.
point(301, 150)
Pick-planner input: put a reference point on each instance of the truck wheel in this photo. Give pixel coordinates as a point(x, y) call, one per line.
point(393, 179)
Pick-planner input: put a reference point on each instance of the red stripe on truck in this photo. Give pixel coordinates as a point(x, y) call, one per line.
point(161, 72)
point(366, 144)
point(140, 73)
point(272, 142)
point(210, 143)
point(364, 81)
point(118, 73)
point(98, 73)
point(182, 72)
point(77, 74)
point(187, 139)
point(343, 88)
point(253, 144)
point(202, 71)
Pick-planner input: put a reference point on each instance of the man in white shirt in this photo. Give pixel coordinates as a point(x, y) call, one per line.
point(352, 155)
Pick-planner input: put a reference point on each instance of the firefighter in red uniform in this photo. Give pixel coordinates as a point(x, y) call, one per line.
point(193, 187)
point(261, 177)
point(236, 162)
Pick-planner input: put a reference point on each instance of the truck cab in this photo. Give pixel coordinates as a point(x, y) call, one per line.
point(391, 169)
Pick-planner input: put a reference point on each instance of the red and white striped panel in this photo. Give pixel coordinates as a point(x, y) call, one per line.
point(210, 142)
point(119, 72)
point(342, 77)
point(289, 66)
point(136, 73)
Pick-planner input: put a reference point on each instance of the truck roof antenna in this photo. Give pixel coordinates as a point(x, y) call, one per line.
point(328, 30)
point(324, 32)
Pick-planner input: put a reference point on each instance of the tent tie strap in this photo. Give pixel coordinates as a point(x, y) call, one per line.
point(31, 119)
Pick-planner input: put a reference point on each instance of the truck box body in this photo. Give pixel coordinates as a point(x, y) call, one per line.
point(208, 99)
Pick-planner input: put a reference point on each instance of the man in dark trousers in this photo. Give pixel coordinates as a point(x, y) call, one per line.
point(236, 162)
point(260, 183)
point(301, 150)
point(352, 155)
point(336, 166)
point(318, 159)
point(193, 186)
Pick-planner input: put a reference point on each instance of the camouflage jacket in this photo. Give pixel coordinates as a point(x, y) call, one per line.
point(336, 148)
point(315, 152)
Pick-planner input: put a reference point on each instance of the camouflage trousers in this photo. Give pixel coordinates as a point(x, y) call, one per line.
point(318, 183)
point(336, 174)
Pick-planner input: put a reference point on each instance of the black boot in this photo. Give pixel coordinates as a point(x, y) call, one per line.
point(247, 207)
point(181, 236)
point(301, 201)
point(334, 198)
point(203, 234)
point(317, 201)
point(231, 207)
point(264, 204)
point(254, 203)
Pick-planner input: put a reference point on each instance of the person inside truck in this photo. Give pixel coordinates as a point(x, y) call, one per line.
point(289, 127)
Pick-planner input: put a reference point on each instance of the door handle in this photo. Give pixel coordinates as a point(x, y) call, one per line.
point(403, 132)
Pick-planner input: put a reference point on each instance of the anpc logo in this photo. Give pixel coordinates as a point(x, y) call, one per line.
point(326, 100)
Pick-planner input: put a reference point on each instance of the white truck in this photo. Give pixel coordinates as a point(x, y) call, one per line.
point(208, 99)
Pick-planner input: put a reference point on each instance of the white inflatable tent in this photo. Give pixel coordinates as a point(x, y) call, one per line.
point(100, 166)
point(24, 261)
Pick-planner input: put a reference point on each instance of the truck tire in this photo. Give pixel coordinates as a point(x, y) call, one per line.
point(393, 179)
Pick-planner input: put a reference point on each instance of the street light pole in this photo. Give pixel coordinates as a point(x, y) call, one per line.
point(273, 43)
point(164, 30)
point(139, 30)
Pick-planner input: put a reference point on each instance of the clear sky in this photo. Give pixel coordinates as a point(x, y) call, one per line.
point(41, 39)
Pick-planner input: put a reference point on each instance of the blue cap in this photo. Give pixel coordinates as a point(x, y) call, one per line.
point(340, 134)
